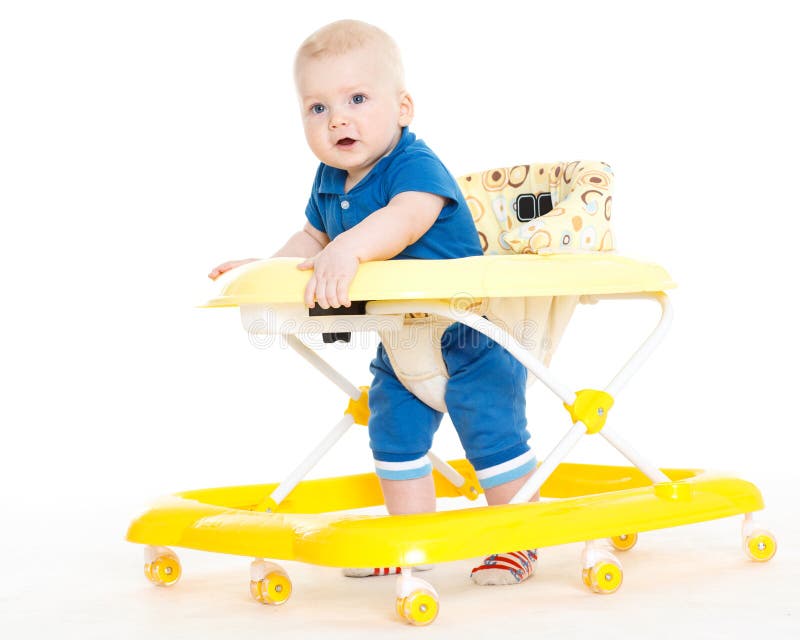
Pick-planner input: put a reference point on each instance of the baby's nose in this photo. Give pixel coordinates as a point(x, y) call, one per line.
point(337, 120)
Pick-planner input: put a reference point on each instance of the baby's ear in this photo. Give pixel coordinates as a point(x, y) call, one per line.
point(406, 110)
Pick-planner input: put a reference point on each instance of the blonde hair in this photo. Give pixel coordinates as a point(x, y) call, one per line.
point(343, 36)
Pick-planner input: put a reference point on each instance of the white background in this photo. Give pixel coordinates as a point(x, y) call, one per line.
point(142, 143)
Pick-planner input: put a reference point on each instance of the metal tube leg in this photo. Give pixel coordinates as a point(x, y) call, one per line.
point(453, 476)
point(285, 488)
point(450, 474)
point(621, 445)
point(647, 347)
point(323, 367)
point(271, 502)
point(556, 457)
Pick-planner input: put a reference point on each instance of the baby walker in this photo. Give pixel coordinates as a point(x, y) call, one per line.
point(554, 219)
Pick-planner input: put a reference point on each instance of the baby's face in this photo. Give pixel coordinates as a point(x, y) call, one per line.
point(352, 110)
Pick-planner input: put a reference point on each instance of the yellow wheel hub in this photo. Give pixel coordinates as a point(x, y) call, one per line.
point(420, 607)
point(164, 571)
point(624, 542)
point(274, 588)
point(606, 577)
point(761, 546)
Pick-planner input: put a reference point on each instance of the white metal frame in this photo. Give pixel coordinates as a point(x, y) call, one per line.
point(339, 429)
point(537, 368)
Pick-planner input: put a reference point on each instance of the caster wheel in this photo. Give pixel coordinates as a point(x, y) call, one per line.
point(760, 545)
point(162, 566)
point(624, 542)
point(605, 577)
point(420, 607)
point(269, 583)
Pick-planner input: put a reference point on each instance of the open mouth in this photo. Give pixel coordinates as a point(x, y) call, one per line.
point(345, 142)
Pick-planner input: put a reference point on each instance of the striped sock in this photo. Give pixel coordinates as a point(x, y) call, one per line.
point(505, 568)
point(380, 571)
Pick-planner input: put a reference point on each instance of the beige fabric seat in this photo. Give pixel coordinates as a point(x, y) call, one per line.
point(537, 208)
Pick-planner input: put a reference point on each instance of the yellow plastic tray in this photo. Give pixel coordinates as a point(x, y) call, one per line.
point(278, 280)
point(588, 502)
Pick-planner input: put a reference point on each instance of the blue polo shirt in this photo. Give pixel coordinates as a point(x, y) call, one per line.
point(411, 166)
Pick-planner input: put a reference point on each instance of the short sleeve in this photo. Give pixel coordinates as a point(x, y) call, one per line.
point(420, 171)
point(313, 211)
point(313, 214)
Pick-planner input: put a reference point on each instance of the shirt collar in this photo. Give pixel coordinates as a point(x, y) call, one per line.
point(332, 179)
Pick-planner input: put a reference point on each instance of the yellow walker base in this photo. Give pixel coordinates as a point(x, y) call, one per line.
point(580, 502)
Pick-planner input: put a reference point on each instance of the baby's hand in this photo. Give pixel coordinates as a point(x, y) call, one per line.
point(334, 269)
point(216, 272)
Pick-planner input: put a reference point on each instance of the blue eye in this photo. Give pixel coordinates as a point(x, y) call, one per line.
point(359, 98)
point(318, 108)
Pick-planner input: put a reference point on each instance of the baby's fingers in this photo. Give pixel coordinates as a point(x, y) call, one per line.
point(311, 289)
point(330, 297)
point(342, 289)
point(217, 271)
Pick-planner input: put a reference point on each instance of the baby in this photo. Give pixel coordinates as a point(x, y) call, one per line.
point(381, 193)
